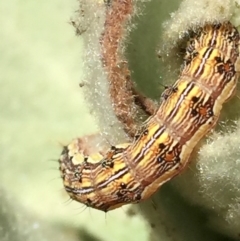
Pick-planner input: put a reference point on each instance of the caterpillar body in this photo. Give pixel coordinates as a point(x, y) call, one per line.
point(132, 172)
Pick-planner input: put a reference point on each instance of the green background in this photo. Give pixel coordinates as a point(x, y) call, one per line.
point(42, 108)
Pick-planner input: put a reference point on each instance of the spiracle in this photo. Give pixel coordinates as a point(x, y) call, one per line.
point(189, 109)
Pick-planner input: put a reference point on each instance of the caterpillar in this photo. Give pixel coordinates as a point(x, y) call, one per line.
point(189, 109)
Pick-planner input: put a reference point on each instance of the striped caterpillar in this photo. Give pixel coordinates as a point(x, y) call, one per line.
point(132, 172)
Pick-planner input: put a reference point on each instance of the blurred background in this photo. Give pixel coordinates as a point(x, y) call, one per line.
point(42, 108)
